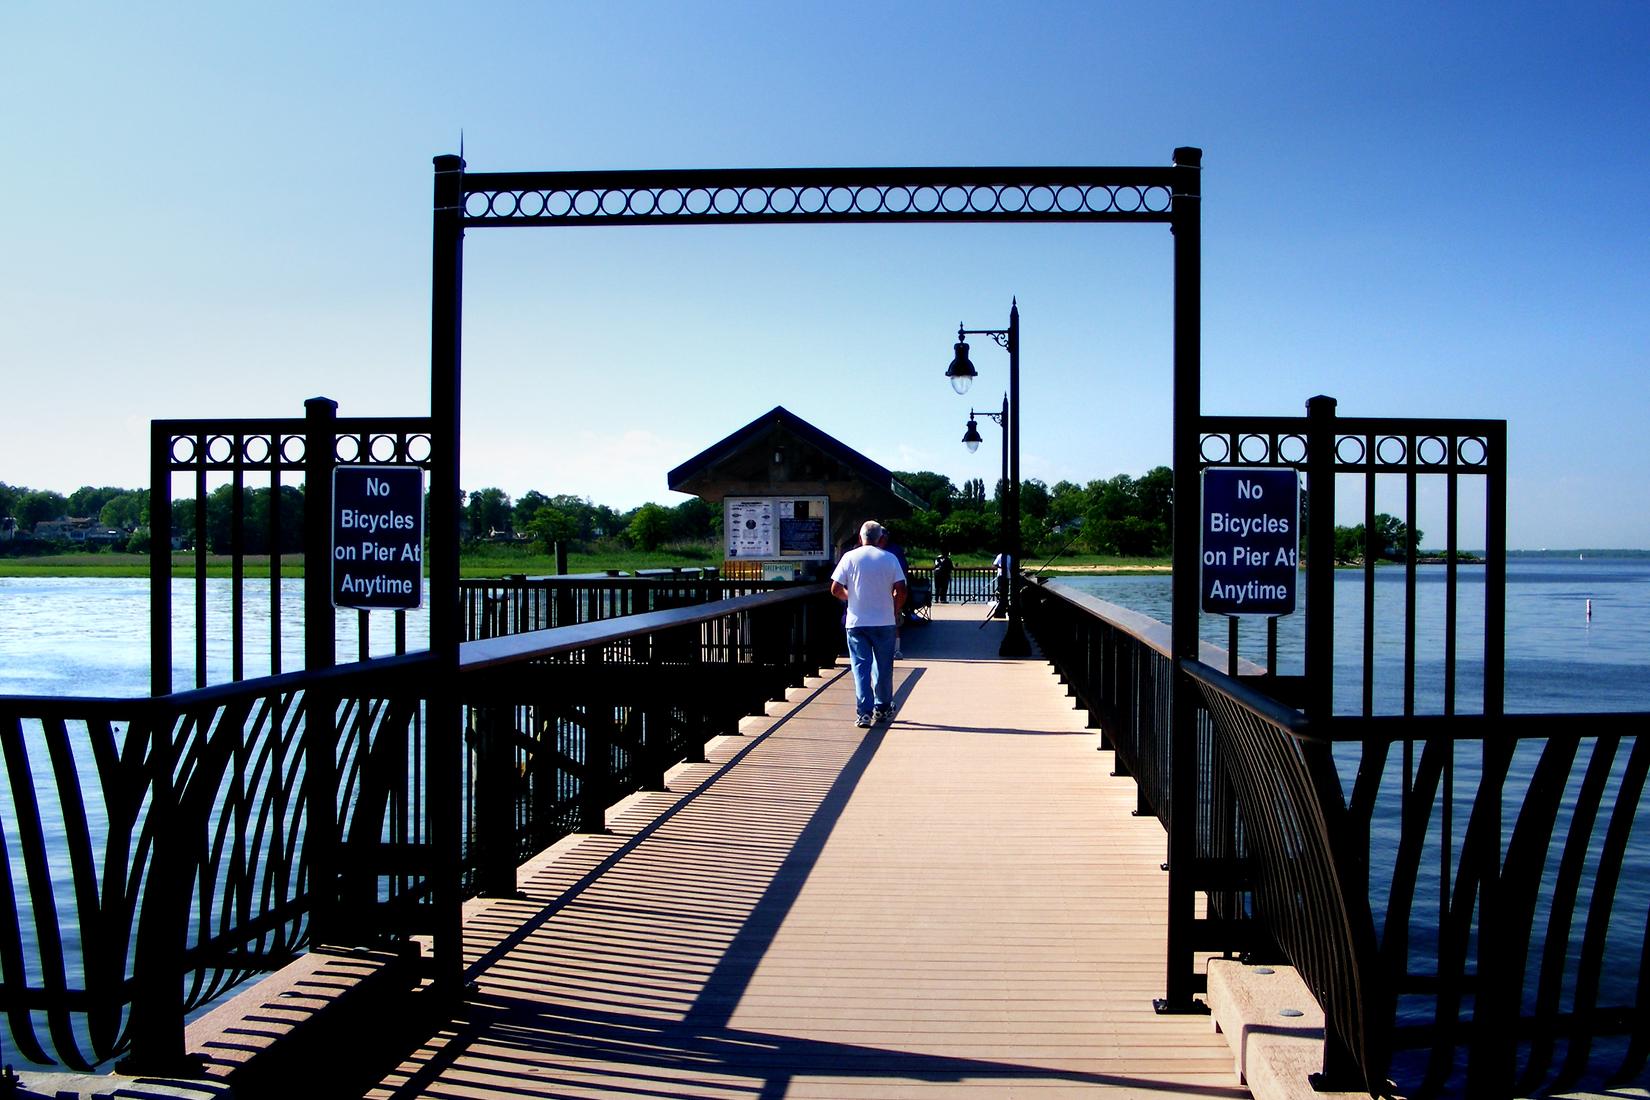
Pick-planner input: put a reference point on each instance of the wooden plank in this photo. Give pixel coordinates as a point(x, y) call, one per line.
point(956, 903)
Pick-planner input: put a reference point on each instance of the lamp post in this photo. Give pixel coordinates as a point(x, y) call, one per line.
point(971, 439)
point(961, 372)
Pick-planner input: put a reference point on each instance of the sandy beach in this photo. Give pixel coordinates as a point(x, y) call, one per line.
point(1101, 570)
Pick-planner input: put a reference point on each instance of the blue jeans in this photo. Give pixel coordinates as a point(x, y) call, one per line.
point(871, 656)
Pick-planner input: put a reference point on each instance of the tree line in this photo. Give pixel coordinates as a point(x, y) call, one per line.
point(113, 508)
point(486, 515)
point(1122, 515)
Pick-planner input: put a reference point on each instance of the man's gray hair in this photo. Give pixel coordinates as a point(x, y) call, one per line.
point(870, 531)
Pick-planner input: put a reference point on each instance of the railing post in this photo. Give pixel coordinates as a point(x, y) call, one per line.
point(1183, 801)
point(1320, 557)
point(545, 734)
point(768, 658)
point(595, 786)
point(162, 922)
point(827, 625)
point(796, 645)
point(320, 652)
point(320, 435)
point(518, 593)
point(495, 798)
point(566, 610)
point(445, 743)
point(652, 725)
point(160, 560)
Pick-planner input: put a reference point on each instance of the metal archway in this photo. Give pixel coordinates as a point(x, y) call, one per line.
point(463, 200)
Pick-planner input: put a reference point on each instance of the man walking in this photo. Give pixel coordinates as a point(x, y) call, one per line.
point(872, 583)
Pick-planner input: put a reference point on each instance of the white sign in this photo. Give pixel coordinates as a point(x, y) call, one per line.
point(749, 527)
point(778, 528)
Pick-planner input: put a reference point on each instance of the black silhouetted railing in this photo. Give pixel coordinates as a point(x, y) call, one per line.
point(1514, 937)
point(1470, 915)
point(969, 583)
point(496, 606)
point(565, 722)
point(158, 851)
point(283, 454)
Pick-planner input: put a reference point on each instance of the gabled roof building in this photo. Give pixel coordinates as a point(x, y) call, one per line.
point(782, 457)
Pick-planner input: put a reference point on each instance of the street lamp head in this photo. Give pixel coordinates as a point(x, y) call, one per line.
point(971, 438)
point(961, 371)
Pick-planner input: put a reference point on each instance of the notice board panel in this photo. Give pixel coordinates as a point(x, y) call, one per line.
point(791, 528)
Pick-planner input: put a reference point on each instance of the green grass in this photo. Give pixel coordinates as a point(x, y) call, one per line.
point(84, 565)
point(494, 560)
point(1100, 563)
point(497, 560)
point(487, 561)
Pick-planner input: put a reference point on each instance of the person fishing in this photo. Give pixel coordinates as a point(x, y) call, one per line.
point(942, 576)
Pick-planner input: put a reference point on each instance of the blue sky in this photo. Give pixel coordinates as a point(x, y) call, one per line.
point(1419, 209)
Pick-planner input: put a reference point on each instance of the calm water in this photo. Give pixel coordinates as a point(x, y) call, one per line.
point(1557, 658)
point(63, 636)
point(90, 637)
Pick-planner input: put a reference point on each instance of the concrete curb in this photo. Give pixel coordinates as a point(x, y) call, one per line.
point(1274, 1027)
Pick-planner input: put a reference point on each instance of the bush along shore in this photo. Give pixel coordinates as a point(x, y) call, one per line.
point(494, 561)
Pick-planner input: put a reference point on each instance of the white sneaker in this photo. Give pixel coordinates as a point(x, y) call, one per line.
point(897, 653)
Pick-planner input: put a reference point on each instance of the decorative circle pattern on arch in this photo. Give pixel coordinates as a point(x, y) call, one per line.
point(1252, 449)
point(808, 202)
point(289, 451)
point(1385, 452)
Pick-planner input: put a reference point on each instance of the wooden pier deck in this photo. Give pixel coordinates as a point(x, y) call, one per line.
point(956, 903)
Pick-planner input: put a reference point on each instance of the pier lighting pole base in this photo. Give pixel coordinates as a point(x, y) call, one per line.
point(1014, 640)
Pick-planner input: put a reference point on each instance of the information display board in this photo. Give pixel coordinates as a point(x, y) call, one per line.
point(748, 523)
point(791, 528)
point(1251, 540)
point(378, 537)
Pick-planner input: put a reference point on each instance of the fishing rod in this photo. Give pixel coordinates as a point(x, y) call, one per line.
point(1076, 527)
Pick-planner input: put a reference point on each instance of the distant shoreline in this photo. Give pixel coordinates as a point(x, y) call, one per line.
point(133, 565)
point(1104, 570)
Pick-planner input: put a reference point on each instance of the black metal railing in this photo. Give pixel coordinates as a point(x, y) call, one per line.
point(1469, 913)
point(565, 722)
point(155, 852)
point(968, 584)
point(158, 851)
point(496, 606)
point(282, 454)
point(1498, 955)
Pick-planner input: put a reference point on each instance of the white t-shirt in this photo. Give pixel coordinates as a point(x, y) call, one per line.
point(869, 574)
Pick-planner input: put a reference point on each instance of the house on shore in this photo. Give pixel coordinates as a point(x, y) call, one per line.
point(84, 531)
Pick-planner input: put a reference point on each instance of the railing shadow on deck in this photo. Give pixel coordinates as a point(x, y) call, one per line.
point(680, 1040)
point(155, 852)
point(665, 1062)
point(1470, 914)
